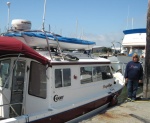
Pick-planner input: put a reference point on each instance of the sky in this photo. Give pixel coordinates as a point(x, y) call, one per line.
point(101, 21)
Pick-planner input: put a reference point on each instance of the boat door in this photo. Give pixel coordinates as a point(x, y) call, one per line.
point(17, 89)
point(4, 87)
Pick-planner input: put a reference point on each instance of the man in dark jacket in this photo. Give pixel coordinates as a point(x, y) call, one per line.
point(133, 76)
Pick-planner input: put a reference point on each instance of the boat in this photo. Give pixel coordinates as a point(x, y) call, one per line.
point(37, 85)
point(21, 29)
point(134, 41)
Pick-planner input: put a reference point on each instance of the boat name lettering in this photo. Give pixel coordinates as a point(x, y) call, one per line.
point(105, 86)
point(58, 98)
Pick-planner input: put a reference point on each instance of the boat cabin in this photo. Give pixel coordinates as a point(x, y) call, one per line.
point(134, 41)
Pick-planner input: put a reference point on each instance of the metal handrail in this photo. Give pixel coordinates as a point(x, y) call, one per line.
point(10, 104)
point(7, 82)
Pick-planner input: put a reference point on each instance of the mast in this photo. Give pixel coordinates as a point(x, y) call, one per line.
point(49, 28)
point(132, 23)
point(43, 29)
point(8, 4)
point(127, 18)
point(44, 15)
point(77, 28)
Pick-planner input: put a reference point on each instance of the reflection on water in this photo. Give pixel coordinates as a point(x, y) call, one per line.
point(123, 95)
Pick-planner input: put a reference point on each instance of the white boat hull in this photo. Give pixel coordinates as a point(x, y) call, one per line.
point(40, 42)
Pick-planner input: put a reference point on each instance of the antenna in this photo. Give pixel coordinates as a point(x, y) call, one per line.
point(81, 35)
point(49, 28)
point(44, 15)
point(132, 23)
point(77, 28)
point(8, 4)
point(127, 18)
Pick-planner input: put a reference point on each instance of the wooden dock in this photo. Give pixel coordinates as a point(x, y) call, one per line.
point(127, 112)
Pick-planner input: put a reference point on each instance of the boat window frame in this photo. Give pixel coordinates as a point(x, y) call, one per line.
point(63, 77)
point(40, 87)
point(7, 84)
point(105, 74)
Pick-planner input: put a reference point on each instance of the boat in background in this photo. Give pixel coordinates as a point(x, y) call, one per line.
point(21, 29)
point(134, 41)
point(119, 62)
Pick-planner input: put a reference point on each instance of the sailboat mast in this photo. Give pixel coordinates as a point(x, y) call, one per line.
point(127, 18)
point(8, 4)
point(77, 28)
point(43, 29)
point(132, 23)
point(44, 15)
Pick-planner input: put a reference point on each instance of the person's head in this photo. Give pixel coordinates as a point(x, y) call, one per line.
point(135, 57)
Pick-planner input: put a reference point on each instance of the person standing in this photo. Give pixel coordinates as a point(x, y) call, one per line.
point(133, 76)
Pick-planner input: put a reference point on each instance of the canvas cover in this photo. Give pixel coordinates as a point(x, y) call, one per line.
point(9, 45)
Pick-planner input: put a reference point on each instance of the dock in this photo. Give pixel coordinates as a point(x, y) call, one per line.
point(127, 112)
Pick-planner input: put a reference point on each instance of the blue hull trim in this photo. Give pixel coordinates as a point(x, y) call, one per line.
point(132, 31)
point(50, 37)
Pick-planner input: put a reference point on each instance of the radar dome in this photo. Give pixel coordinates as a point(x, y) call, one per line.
point(21, 25)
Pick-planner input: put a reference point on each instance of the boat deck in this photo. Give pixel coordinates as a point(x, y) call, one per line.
point(129, 112)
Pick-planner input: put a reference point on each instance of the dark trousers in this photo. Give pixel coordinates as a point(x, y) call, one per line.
point(132, 87)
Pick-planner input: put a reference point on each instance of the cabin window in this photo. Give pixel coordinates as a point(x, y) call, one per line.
point(95, 73)
point(62, 77)
point(106, 72)
point(58, 78)
point(37, 81)
point(18, 76)
point(4, 72)
point(86, 74)
point(17, 88)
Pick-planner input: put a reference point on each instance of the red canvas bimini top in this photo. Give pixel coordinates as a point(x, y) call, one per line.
point(9, 45)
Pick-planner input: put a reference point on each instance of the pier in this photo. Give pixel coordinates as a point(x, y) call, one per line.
point(127, 112)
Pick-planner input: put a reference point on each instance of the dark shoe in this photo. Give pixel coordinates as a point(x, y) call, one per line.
point(128, 100)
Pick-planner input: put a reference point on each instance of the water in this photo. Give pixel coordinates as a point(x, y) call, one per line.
point(123, 96)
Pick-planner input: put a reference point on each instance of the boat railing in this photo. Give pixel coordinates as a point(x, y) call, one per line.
point(59, 51)
point(11, 106)
point(58, 46)
point(2, 91)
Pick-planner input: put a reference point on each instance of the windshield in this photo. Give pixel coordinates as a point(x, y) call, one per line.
point(138, 51)
point(4, 72)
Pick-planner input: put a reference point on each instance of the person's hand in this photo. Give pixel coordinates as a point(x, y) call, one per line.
point(126, 80)
point(140, 81)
